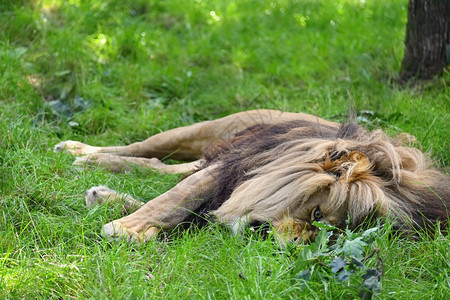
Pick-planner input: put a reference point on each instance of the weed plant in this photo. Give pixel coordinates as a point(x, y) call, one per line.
point(117, 71)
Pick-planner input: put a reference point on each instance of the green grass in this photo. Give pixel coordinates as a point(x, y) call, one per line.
point(128, 69)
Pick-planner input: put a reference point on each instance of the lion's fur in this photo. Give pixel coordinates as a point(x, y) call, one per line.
point(270, 171)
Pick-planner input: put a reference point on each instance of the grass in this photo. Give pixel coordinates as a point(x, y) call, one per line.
point(115, 72)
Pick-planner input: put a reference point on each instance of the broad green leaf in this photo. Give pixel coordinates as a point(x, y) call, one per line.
point(370, 233)
point(337, 264)
point(324, 225)
point(354, 247)
point(356, 263)
point(372, 280)
point(344, 275)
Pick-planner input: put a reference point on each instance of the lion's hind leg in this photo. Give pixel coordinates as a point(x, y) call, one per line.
point(76, 148)
point(116, 163)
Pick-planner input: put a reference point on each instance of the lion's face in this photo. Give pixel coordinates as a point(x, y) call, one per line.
point(297, 225)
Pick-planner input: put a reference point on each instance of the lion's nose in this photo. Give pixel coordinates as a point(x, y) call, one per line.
point(306, 236)
point(291, 230)
point(304, 232)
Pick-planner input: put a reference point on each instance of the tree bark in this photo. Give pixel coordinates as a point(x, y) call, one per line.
point(427, 39)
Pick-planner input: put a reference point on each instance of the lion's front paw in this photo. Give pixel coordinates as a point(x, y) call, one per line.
point(102, 194)
point(75, 148)
point(129, 231)
point(98, 195)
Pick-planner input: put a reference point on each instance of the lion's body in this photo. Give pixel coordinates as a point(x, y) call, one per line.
point(283, 168)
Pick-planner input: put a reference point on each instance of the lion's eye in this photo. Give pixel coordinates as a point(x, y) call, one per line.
point(317, 214)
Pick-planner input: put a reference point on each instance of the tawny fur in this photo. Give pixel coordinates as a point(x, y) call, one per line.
point(283, 168)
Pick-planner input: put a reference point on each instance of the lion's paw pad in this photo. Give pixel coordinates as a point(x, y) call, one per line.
point(117, 231)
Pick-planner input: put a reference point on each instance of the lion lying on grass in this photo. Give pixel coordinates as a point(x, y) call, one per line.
point(265, 166)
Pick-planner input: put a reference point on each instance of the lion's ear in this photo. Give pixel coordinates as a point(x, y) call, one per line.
point(349, 166)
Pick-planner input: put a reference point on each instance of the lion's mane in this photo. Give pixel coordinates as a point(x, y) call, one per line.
point(270, 169)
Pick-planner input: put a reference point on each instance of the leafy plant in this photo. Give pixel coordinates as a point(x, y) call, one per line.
point(353, 258)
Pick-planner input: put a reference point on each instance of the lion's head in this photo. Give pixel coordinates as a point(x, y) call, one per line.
point(296, 173)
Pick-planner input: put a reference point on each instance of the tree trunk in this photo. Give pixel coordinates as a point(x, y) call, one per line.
point(427, 44)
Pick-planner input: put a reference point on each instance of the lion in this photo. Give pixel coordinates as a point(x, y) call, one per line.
point(267, 166)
